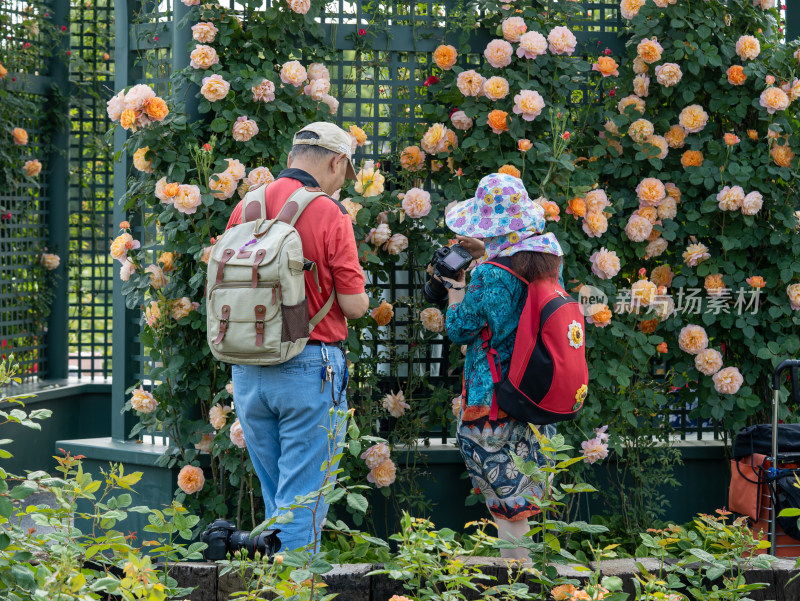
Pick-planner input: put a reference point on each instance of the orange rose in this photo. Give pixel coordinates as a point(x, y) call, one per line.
point(445, 57)
point(20, 136)
point(676, 136)
point(782, 155)
point(510, 170)
point(191, 479)
point(606, 66)
point(752, 134)
point(383, 313)
point(736, 75)
point(662, 347)
point(756, 281)
point(524, 145)
point(648, 326)
point(577, 207)
point(662, 275)
point(156, 108)
point(412, 158)
point(127, 119)
point(692, 158)
point(731, 139)
point(498, 121)
point(167, 261)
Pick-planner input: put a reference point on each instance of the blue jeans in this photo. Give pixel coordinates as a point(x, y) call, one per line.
point(286, 422)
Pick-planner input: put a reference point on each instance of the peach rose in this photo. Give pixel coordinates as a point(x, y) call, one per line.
point(206, 441)
point(641, 86)
point(470, 83)
point(383, 313)
point(728, 380)
point(673, 191)
point(396, 244)
point(455, 406)
point(332, 104)
point(204, 32)
point(215, 88)
point(445, 57)
point(605, 264)
point(432, 319)
point(695, 254)
point(551, 209)
point(157, 278)
point(142, 401)
point(651, 191)
point(498, 121)
point(359, 135)
point(369, 181)
point(748, 47)
point(264, 92)
point(736, 75)
point(752, 203)
point(20, 136)
point(662, 276)
point(731, 139)
point(380, 235)
point(166, 192)
point(202, 57)
point(564, 592)
point(561, 41)
point(128, 119)
point(513, 28)
point(376, 454)
point(191, 479)
point(206, 254)
point(218, 416)
point(782, 155)
point(714, 284)
point(317, 89)
point(244, 129)
point(115, 106)
point(529, 104)
point(730, 198)
point(509, 170)
point(661, 147)
point(668, 74)
point(416, 203)
point(395, 403)
point(188, 199)
point(237, 435)
point(181, 308)
point(633, 101)
point(460, 120)
point(598, 315)
point(668, 208)
point(136, 97)
point(438, 139)
point(640, 130)
point(152, 314)
point(639, 66)
point(235, 168)
point(383, 475)
point(495, 88)
point(300, 7)
point(50, 261)
point(693, 118)
point(121, 245)
point(140, 162)
point(708, 362)
point(793, 292)
point(606, 66)
point(498, 53)
point(774, 99)
point(260, 175)
point(531, 45)
point(650, 50)
point(352, 208)
point(638, 228)
point(596, 200)
point(223, 185)
point(167, 261)
point(412, 158)
point(595, 224)
point(756, 281)
point(318, 71)
point(630, 8)
point(655, 248)
point(676, 136)
point(692, 339)
point(649, 213)
point(127, 269)
point(33, 167)
point(692, 158)
point(292, 72)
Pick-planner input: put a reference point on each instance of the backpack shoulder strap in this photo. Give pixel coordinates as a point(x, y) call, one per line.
point(254, 204)
point(505, 263)
point(297, 202)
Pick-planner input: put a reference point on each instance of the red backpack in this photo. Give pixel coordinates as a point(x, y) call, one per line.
point(548, 376)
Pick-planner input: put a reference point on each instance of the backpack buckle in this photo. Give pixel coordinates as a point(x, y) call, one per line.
point(223, 323)
point(261, 312)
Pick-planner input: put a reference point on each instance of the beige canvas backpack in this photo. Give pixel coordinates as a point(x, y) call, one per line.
point(257, 311)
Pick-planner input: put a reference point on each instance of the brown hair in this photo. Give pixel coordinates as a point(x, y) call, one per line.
point(533, 265)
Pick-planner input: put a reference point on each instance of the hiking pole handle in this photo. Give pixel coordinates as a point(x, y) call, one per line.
point(794, 365)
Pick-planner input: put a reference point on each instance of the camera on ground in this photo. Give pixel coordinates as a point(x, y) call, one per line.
point(222, 538)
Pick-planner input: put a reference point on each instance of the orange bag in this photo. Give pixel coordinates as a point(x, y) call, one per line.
point(747, 476)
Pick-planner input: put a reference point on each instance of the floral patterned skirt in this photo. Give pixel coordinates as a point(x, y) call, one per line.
point(486, 447)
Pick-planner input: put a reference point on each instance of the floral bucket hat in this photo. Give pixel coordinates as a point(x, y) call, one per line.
point(501, 205)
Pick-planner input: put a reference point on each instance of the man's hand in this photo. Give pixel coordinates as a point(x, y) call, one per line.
point(473, 246)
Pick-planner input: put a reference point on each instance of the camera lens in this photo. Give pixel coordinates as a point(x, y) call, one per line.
point(434, 291)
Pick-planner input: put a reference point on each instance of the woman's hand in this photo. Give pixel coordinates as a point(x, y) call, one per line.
point(458, 289)
point(473, 246)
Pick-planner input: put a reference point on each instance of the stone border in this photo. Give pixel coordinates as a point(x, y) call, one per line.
point(351, 583)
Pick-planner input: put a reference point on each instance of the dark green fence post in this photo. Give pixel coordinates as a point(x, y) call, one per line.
point(125, 348)
point(57, 348)
point(792, 21)
point(181, 37)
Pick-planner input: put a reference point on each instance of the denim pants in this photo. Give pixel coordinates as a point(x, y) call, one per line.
point(286, 422)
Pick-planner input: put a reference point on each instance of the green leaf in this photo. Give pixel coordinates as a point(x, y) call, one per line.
point(357, 502)
point(219, 125)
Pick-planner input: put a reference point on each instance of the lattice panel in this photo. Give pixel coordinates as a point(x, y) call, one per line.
point(23, 205)
point(91, 190)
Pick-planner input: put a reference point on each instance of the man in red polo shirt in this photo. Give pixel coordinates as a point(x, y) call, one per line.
point(284, 409)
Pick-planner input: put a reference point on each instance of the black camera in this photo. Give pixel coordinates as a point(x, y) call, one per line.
point(447, 262)
point(222, 538)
